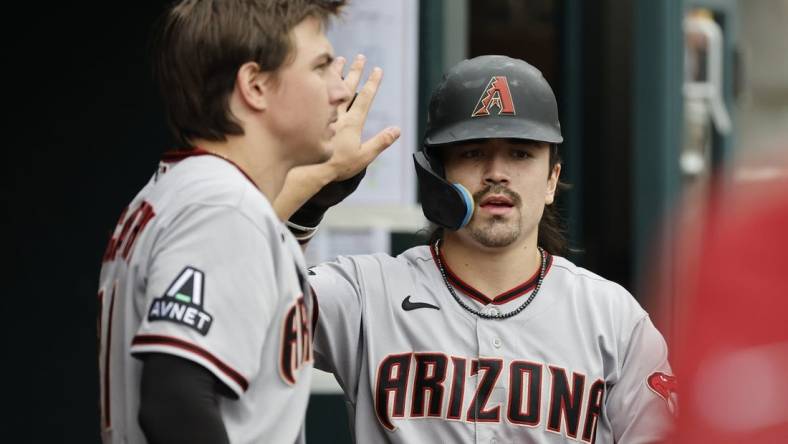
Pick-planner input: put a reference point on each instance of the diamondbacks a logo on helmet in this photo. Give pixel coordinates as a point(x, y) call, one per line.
point(182, 303)
point(495, 94)
point(665, 386)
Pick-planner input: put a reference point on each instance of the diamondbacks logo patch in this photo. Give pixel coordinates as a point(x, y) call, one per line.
point(665, 386)
point(495, 94)
point(183, 302)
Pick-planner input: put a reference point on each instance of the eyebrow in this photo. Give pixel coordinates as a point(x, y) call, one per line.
point(325, 58)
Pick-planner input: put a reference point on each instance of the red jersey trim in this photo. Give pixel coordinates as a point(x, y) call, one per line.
point(500, 299)
point(178, 155)
point(183, 345)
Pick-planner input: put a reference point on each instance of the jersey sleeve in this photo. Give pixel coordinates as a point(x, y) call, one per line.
point(211, 293)
point(641, 405)
point(337, 344)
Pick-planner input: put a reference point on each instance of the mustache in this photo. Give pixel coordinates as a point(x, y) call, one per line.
point(497, 189)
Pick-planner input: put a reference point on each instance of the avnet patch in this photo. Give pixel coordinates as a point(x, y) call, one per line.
point(183, 302)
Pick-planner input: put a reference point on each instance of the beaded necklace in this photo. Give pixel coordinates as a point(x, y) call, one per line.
point(478, 313)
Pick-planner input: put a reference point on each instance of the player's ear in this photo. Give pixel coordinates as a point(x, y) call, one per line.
point(552, 184)
point(254, 85)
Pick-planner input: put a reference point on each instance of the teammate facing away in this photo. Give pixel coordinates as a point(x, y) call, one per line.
point(486, 334)
point(206, 317)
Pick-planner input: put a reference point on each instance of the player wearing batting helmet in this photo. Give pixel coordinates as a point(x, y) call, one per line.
point(206, 316)
point(486, 334)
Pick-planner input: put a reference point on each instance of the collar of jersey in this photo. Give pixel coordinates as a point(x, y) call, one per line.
point(506, 296)
point(180, 154)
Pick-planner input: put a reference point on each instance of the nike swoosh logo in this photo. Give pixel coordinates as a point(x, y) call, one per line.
point(407, 305)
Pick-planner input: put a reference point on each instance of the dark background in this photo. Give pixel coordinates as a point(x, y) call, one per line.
point(86, 129)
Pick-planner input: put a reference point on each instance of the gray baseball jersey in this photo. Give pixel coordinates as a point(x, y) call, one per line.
point(200, 267)
point(582, 362)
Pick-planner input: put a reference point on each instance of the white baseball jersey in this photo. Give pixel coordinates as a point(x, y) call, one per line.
point(200, 267)
point(582, 362)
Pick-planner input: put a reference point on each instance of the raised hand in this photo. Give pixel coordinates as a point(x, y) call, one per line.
point(351, 156)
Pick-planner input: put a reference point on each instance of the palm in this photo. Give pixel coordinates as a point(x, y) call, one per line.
point(351, 156)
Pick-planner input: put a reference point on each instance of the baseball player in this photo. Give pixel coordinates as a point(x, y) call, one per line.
point(206, 320)
point(486, 334)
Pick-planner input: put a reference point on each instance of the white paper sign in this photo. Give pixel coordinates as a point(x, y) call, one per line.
point(386, 32)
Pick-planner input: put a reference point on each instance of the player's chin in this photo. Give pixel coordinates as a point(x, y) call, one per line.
point(496, 225)
point(317, 153)
point(326, 151)
point(496, 238)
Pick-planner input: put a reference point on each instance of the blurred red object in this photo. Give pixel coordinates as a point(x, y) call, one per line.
point(732, 350)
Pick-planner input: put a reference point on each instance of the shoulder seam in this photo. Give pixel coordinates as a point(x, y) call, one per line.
point(594, 278)
point(232, 207)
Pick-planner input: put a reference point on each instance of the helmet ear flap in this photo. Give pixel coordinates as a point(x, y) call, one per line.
point(468, 200)
point(433, 156)
point(448, 205)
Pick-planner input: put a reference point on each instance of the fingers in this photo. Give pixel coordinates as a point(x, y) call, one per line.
point(363, 100)
point(379, 142)
point(350, 102)
point(354, 74)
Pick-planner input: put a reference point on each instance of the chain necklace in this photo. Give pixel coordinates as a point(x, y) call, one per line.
point(478, 313)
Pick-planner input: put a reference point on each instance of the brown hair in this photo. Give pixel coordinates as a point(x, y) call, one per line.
point(199, 46)
point(551, 227)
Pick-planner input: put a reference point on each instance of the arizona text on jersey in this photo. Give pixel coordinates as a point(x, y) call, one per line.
point(576, 365)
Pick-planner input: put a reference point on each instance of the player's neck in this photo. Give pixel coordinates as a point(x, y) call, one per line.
point(491, 270)
point(256, 158)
